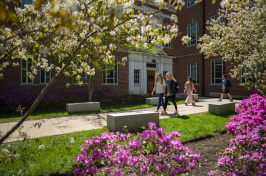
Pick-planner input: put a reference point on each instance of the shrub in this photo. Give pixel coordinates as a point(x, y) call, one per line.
point(247, 150)
point(149, 153)
point(16, 95)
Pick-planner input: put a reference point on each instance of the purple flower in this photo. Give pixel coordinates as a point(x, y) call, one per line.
point(133, 144)
point(152, 125)
point(89, 143)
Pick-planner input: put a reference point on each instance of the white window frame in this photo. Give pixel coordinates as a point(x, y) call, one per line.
point(45, 74)
point(245, 78)
point(189, 68)
point(115, 69)
point(27, 2)
point(189, 29)
point(213, 80)
point(223, 19)
point(86, 76)
point(168, 45)
point(164, 74)
point(136, 76)
point(149, 39)
point(191, 5)
point(28, 80)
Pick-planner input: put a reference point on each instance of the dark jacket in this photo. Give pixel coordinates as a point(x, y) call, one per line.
point(172, 88)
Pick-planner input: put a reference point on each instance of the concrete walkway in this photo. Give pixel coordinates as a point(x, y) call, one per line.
point(64, 125)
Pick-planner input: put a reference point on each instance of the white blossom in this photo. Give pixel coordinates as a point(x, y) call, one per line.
point(71, 140)
point(241, 40)
point(41, 147)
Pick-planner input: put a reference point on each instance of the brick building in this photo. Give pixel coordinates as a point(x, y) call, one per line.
point(138, 74)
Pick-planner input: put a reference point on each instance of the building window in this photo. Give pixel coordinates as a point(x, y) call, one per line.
point(192, 2)
point(25, 70)
point(46, 75)
point(83, 75)
point(136, 76)
point(247, 75)
point(223, 19)
point(110, 75)
point(218, 70)
point(25, 2)
point(168, 45)
point(193, 33)
point(164, 74)
point(193, 71)
point(149, 39)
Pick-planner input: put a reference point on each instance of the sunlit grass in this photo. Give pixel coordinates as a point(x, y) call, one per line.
point(58, 155)
point(50, 114)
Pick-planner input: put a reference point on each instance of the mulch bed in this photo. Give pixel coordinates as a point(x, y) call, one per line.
point(209, 149)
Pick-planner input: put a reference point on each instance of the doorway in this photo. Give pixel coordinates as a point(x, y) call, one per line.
point(150, 80)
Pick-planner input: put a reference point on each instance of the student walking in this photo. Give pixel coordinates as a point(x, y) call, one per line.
point(225, 89)
point(169, 92)
point(189, 87)
point(160, 89)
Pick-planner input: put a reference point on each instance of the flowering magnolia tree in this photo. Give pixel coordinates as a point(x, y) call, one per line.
point(247, 150)
point(69, 31)
point(240, 40)
point(151, 153)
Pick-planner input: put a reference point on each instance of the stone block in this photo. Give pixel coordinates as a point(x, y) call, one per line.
point(221, 108)
point(183, 96)
point(83, 107)
point(153, 100)
point(195, 97)
point(133, 120)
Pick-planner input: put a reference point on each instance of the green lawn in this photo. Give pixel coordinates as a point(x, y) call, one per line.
point(48, 114)
point(58, 155)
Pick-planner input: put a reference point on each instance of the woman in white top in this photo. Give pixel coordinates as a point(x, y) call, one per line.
point(160, 89)
point(189, 87)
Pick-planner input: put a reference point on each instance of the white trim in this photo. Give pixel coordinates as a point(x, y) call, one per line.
point(138, 60)
point(159, 14)
point(172, 9)
point(27, 68)
point(223, 71)
point(197, 34)
point(189, 71)
point(191, 5)
point(116, 83)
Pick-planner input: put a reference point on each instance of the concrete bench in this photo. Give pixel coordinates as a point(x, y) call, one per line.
point(83, 107)
point(153, 100)
point(221, 108)
point(183, 96)
point(133, 120)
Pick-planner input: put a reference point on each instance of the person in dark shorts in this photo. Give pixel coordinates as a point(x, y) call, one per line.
point(225, 90)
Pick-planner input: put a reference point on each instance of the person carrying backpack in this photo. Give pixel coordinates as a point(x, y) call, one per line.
point(189, 87)
point(225, 88)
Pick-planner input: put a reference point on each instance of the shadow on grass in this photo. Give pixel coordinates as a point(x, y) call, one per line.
point(224, 115)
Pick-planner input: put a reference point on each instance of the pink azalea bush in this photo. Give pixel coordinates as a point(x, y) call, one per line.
point(247, 150)
point(152, 152)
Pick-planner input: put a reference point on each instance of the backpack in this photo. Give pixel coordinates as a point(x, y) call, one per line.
point(188, 86)
point(228, 83)
point(176, 86)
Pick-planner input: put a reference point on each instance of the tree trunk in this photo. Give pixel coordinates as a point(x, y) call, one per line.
point(90, 88)
point(36, 102)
